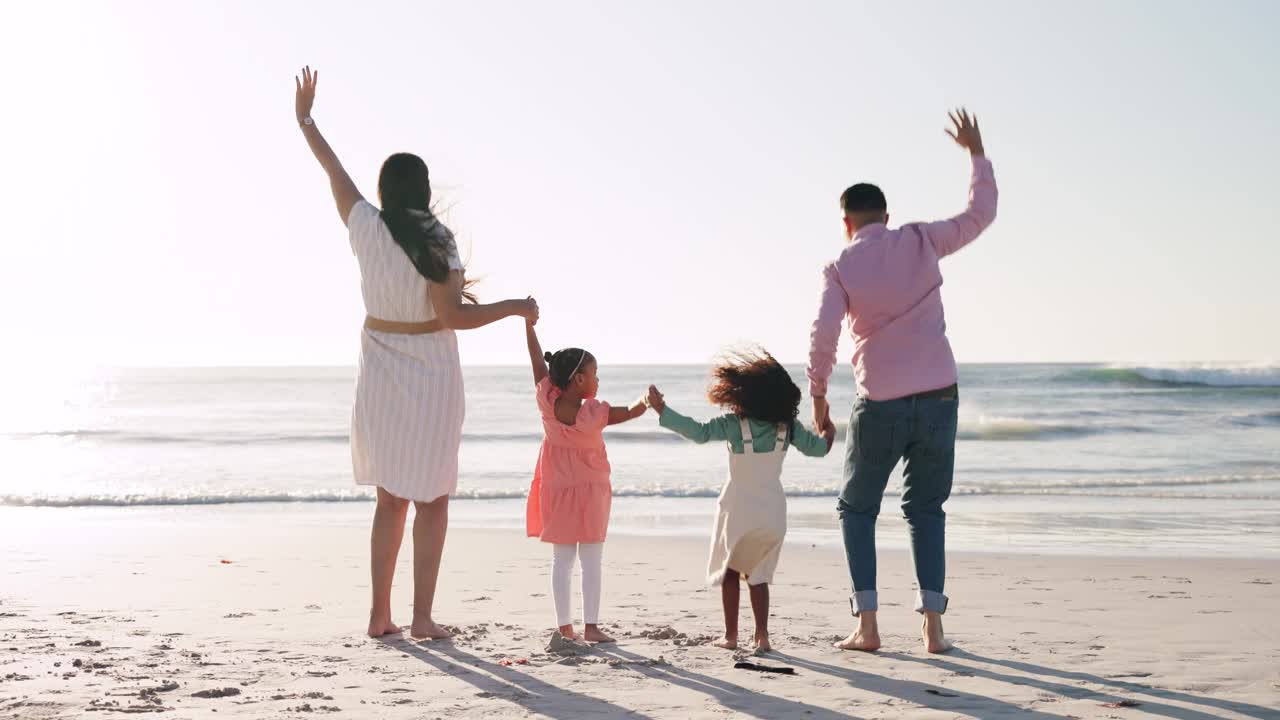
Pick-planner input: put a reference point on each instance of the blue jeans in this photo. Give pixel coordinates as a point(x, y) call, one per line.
point(920, 430)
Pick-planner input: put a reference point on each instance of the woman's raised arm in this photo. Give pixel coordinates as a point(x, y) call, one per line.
point(345, 194)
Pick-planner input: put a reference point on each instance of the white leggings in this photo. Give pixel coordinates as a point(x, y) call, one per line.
point(592, 555)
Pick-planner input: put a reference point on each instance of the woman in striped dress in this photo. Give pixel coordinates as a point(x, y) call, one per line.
point(407, 421)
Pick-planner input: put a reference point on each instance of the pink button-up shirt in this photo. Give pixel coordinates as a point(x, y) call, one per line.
point(888, 284)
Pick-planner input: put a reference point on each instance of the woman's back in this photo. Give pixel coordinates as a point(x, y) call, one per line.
point(392, 288)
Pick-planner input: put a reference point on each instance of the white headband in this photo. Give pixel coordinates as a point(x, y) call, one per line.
point(582, 356)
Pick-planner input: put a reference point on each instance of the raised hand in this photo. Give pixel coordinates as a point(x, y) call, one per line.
point(965, 131)
point(305, 96)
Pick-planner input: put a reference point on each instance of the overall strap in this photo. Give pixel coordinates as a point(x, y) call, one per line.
point(780, 445)
point(748, 442)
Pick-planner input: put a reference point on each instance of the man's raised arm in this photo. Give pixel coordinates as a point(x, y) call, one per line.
point(948, 236)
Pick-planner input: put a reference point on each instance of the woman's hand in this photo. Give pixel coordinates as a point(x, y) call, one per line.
point(655, 400)
point(345, 194)
point(305, 96)
point(527, 309)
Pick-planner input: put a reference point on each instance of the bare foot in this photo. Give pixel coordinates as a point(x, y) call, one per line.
point(867, 640)
point(727, 643)
point(379, 626)
point(593, 634)
point(934, 640)
point(566, 632)
point(427, 630)
point(762, 643)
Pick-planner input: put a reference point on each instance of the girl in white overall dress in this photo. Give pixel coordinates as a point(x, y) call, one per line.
point(751, 521)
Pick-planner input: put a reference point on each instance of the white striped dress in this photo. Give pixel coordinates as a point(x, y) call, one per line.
point(406, 425)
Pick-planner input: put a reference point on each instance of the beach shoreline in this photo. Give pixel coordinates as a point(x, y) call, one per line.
point(1068, 525)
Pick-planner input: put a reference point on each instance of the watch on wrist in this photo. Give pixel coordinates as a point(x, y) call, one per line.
point(307, 121)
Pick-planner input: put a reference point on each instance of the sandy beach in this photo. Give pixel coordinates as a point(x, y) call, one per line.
point(257, 612)
point(640, 270)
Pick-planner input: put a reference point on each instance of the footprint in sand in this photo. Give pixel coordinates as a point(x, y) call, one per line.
point(307, 708)
point(217, 693)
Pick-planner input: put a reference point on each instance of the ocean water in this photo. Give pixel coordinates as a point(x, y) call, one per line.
point(1050, 458)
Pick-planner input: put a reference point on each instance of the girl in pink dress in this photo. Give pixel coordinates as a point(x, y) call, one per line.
point(570, 496)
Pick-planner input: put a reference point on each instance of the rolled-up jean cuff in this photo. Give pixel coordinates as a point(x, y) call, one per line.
point(930, 601)
point(864, 601)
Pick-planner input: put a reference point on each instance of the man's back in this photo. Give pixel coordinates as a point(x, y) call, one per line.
point(887, 282)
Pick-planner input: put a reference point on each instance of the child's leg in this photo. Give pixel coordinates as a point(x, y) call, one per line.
point(760, 608)
point(592, 555)
point(729, 596)
point(561, 575)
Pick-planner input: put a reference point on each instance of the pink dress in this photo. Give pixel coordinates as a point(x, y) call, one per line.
point(570, 497)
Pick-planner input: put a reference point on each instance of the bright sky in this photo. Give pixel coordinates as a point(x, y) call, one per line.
point(663, 177)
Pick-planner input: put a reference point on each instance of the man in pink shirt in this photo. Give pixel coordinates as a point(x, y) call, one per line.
point(887, 283)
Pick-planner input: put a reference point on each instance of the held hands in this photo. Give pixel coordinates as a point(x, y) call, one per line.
point(305, 96)
point(527, 309)
point(829, 434)
point(822, 421)
point(655, 400)
point(966, 132)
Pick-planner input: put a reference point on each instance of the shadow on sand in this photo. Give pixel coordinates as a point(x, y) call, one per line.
point(1051, 680)
point(517, 686)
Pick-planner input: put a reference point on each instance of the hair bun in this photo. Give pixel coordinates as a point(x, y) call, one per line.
point(548, 357)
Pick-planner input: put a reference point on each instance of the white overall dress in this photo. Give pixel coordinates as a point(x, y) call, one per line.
point(753, 513)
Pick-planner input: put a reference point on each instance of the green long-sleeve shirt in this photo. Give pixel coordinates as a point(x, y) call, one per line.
point(729, 427)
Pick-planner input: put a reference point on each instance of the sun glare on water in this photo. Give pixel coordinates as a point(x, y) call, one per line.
point(52, 398)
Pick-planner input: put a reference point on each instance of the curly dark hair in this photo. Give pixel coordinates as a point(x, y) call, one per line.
point(562, 365)
point(752, 384)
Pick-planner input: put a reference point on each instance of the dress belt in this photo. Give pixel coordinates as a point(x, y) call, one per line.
point(402, 328)
point(946, 393)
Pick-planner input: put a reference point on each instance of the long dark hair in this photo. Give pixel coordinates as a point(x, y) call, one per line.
point(751, 384)
point(404, 191)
